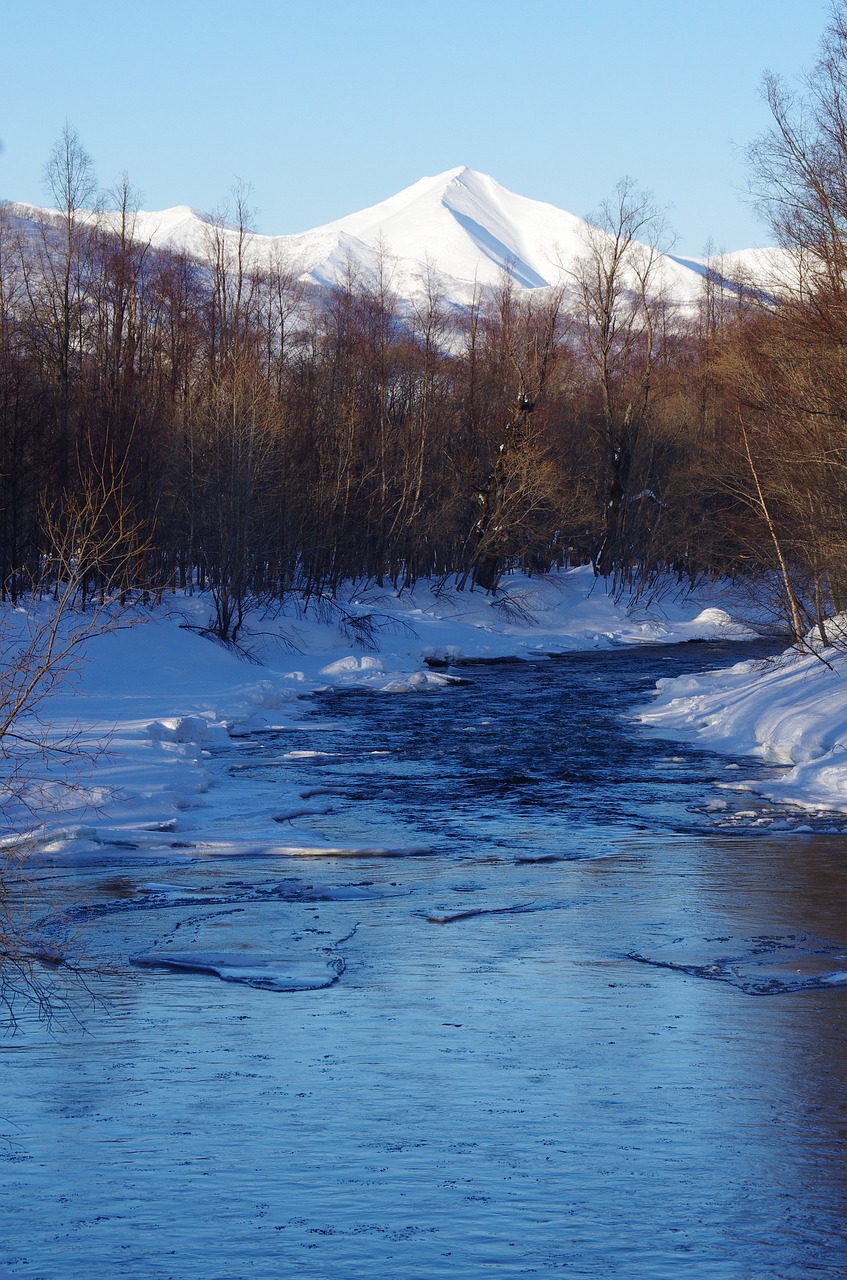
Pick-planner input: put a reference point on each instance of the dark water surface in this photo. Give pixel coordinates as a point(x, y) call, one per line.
point(592, 1026)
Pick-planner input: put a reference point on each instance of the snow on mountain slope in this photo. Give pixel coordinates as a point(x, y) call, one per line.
point(469, 227)
point(461, 224)
point(181, 227)
point(767, 270)
point(471, 230)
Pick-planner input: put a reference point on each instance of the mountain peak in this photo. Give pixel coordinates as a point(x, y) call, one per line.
point(464, 176)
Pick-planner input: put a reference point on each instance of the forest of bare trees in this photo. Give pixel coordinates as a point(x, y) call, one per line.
point(229, 433)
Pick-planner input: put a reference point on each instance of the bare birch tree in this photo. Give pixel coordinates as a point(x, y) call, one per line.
point(623, 318)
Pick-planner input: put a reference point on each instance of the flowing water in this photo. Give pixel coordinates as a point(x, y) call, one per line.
point(559, 1004)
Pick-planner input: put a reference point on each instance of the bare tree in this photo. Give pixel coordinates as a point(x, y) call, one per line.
point(42, 643)
point(624, 318)
point(791, 361)
point(69, 178)
point(521, 484)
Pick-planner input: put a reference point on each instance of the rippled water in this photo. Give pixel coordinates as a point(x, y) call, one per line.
point(592, 1025)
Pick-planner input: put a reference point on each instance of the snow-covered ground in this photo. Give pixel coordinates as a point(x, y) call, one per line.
point(164, 699)
point(791, 710)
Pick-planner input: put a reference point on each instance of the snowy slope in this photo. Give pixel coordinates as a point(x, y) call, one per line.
point(467, 225)
point(462, 224)
point(765, 270)
point(473, 230)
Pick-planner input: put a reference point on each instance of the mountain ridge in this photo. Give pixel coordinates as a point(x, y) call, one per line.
point(461, 227)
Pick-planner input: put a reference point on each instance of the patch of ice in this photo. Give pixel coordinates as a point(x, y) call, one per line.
point(355, 851)
point(306, 811)
point(271, 973)
point(765, 965)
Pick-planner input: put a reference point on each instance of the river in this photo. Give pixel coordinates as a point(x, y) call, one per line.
point(561, 1003)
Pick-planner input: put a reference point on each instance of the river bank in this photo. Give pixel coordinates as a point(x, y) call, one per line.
point(790, 711)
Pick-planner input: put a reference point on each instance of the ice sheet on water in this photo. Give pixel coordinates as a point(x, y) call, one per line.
point(355, 851)
point(308, 972)
point(230, 849)
point(252, 911)
point(518, 908)
point(763, 965)
point(244, 934)
point(291, 889)
point(304, 811)
point(570, 855)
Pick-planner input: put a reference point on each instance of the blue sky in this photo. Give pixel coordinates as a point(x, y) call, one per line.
point(326, 107)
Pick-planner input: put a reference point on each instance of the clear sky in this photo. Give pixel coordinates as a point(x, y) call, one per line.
point(327, 106)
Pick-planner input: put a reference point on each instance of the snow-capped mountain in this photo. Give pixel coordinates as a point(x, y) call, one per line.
point(462, 225)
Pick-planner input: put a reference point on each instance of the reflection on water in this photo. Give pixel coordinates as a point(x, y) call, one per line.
point(493, 1085)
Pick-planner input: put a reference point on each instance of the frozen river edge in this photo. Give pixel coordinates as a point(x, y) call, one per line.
point(151, 702)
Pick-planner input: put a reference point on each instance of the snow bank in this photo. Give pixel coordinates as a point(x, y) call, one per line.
point(790, 711)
